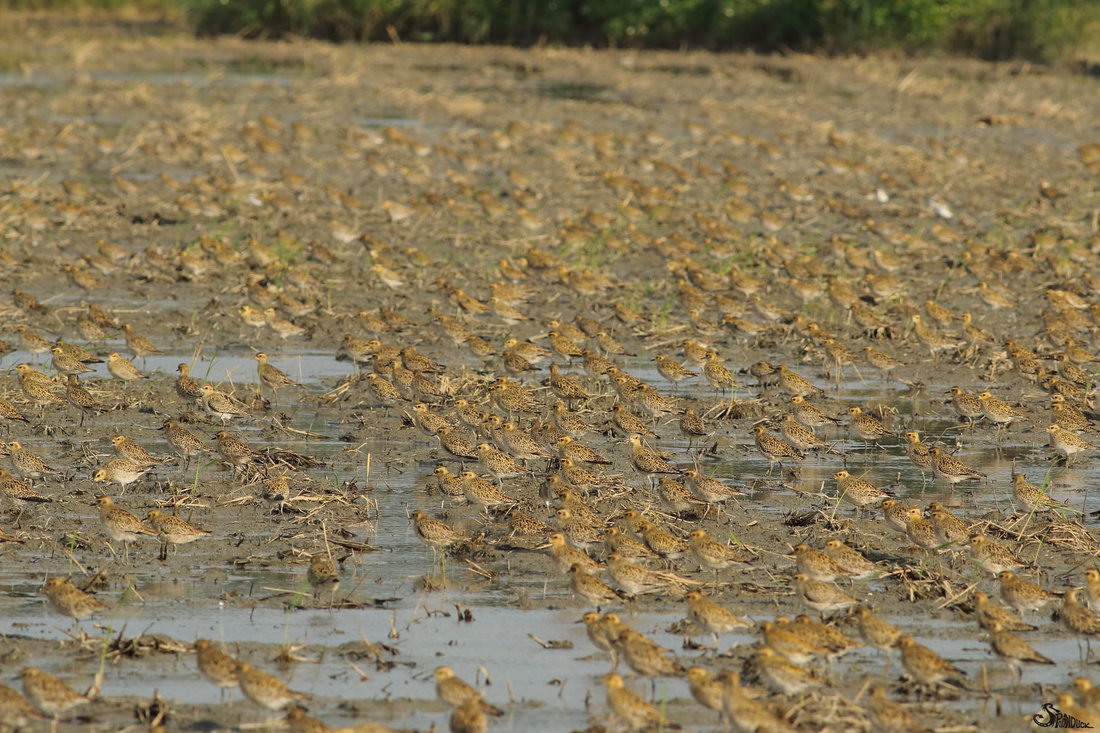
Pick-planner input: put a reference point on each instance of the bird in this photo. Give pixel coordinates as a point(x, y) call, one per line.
point(709, 489)
point(468, 717)
point(1067, 444)
point(14, 488)
point(951, 532)
point(187, 386)
point(917, 452)
point(183, 440)
point(591, 588)
point(896, 515)
point(820, 596)
point(781, 675)
point(1077, 617)
point(498, 463)
point(221, 405)
point(172, 529)
point(128, 449)
point(998, 411)
point(49, 694)
point(795, 384)
point(809, 414)
point(951, 469)
point(747, 713)
point(718, 374)
point(18, 711)
point(889, 716)
point(876, 631)
point(773, 448)
point(673, 370)
point(68, 600)
point(628, 422)
point(482, 493)
point(645, 656)
point(8, 411)
point(988, 611)
point(1032, 498)
point(453, 690)
point(120, 525)
point(992, 557)
point(27, 464)
point(800, 436)
point(264, 689)
point(707, 690)
point(967, 406)
point(121, 368)
point(121, 471)
point(434, 532)
point(814, 563)
point(566, 555)
point(919, 530)
point(631, 709)
point(857, 491)
point(1023, 595)
point(215, 665)
point(81, 398)
point(849, 561)
point(636, 579)
point(1012, 648)
point(67, 364)
point(647, 460)
point(868, 426)
point(138, 344)
point(711, 617)
point(924, 665)
point(792, 642)
point(271, 375)
point(603, 632)
point(234, 451)
point(455, 442)
point(568, 447)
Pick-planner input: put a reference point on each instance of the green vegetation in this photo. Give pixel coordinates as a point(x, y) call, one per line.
point(991, 29)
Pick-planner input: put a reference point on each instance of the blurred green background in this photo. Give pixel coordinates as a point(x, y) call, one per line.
point(1043, 30)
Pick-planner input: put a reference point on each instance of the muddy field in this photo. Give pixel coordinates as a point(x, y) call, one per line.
point(446, 200)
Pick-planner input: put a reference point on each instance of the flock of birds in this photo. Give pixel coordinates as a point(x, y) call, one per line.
point(550, 377)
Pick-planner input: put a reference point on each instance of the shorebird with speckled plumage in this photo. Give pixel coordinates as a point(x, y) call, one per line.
point(631, 709)
point(889, 716)
point(774, 448)
point(1023, 595)
point(997, 411)
point(1067, 444)
point(68, 600)
point(455, 691)
point(174, 530)
point(711, 617)
point(949, 468)
point(988, 611)
point(647, 460)
point(822, 597)
point(264, 689)
point(49, 694)
point(924, 665)
point(1076, 616)
point(120, 525)
point(849, 561)
point(857, 491)
point(27, 464)
point(1013, 649)
point(991, 556)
